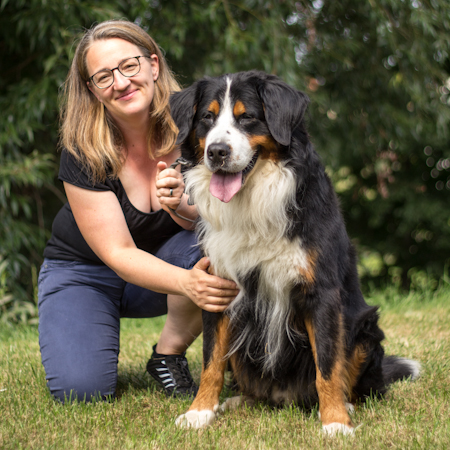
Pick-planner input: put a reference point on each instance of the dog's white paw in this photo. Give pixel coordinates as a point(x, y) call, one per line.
point(332, 429)
point(195, 419)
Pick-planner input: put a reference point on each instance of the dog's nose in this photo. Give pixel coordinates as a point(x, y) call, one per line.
point(218, 153)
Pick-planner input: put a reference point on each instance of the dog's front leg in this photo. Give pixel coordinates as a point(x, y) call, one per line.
point(215, 347)
point(326, 335)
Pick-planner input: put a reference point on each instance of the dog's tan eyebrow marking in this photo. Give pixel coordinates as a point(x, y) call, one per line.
point(239, 109)
point(214, 107)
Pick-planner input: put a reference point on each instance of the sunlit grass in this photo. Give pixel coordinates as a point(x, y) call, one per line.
point(413, 415)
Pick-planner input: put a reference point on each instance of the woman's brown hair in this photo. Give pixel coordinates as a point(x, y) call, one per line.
point(87, 130)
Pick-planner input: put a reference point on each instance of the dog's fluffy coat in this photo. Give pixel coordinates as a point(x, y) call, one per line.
point(300, 329)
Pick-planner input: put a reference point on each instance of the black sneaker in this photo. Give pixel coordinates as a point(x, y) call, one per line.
point(172, 373)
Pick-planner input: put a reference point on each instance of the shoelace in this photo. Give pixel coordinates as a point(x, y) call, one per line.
point(180, 368)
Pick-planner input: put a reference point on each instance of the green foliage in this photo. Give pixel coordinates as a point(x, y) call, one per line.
point(377, 73)
point(220, 36)
point(380, 88)
point(36, 42)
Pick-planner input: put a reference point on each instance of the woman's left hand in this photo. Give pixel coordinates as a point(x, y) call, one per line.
point(169, 186)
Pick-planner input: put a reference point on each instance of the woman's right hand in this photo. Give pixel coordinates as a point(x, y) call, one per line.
point(209, 292)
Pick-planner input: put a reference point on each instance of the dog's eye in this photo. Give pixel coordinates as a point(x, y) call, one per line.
point(208, 117)
point(245, 118)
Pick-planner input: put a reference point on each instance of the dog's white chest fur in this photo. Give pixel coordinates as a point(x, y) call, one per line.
point(251, 230)
point(250, 233)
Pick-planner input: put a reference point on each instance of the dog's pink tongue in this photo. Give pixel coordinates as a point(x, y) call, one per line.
point(225, 186)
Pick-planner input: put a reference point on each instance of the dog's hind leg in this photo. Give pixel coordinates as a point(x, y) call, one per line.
point(330, 373)
point(206, 404)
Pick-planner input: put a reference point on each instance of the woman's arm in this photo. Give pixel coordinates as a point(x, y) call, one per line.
point(102, 224)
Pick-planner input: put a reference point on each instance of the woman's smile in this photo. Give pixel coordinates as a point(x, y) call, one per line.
point(127, 95)
point(128, 99)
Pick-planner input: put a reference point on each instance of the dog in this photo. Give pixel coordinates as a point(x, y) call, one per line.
point(300, 330)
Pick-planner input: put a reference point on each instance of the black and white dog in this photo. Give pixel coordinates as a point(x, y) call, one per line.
point(300, 330)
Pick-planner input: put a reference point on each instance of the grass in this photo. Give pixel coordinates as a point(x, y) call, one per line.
point(413, 415)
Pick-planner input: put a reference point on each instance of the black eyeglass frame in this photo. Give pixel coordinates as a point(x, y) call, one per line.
point(117, 68)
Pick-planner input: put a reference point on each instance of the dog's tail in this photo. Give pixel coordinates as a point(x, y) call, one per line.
point(396, 368)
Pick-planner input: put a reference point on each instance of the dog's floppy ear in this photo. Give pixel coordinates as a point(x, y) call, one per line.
point(284, 107)
point(182, 108)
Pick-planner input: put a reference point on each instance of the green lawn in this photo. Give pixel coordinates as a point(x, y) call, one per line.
point(414, 415)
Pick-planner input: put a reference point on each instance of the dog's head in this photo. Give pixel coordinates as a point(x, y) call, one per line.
point(229, 122)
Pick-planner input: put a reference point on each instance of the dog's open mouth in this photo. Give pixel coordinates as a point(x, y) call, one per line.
point(225, 185)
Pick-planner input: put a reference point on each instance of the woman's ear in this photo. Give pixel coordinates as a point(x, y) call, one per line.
point(154, 62)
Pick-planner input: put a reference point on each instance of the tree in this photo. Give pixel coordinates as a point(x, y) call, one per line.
point(380, 82)
point(377, 73)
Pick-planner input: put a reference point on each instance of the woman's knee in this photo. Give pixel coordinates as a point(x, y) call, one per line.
point(79, 373)
point(82, 387)
point(79, 340)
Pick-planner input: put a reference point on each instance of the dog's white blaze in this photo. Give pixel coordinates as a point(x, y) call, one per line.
point(225, 131)
point(251, 232)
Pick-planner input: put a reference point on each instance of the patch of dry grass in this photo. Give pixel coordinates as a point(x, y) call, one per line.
point(413, 415)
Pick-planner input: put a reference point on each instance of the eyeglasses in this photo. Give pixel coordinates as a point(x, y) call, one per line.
point(128, 68)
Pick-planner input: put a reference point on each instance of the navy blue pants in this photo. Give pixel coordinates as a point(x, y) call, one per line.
point(80, 306)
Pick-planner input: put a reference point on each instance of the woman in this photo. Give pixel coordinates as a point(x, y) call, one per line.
point(117, 249)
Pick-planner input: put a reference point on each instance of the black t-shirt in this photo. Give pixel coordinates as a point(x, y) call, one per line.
point(149, 230)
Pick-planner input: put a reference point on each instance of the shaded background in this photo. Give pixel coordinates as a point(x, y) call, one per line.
point(377, 73)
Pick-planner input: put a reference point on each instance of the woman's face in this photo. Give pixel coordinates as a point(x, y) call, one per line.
point(128, 99)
